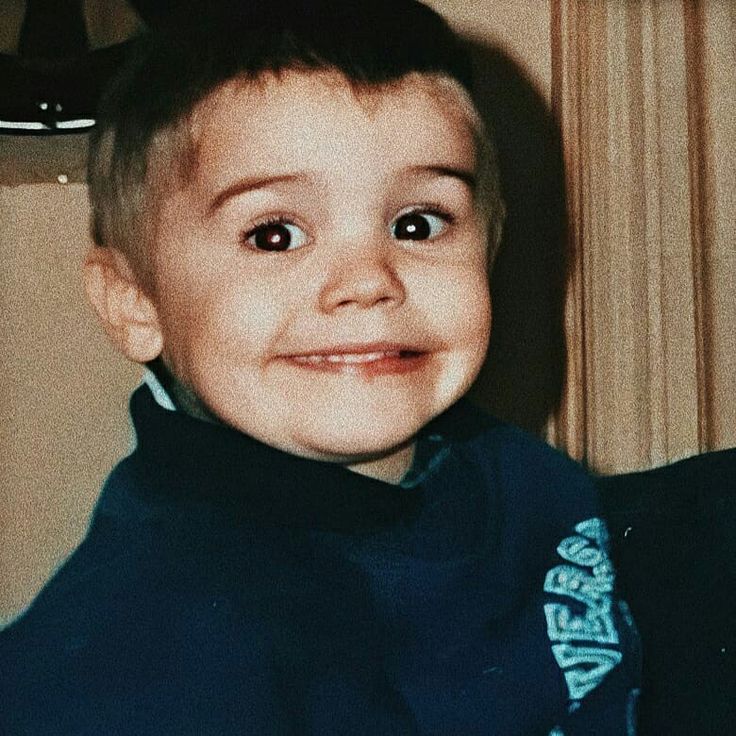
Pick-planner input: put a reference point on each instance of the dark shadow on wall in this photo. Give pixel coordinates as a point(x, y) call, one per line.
point(522, 378)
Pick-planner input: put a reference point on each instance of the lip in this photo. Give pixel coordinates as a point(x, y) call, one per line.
point(365, 360)
point(361, 348)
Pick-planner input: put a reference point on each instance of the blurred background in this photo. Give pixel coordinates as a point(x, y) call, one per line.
point(614, 306)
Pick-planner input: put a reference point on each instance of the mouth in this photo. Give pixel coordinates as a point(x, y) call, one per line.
point(368, 360)
point(355, 358)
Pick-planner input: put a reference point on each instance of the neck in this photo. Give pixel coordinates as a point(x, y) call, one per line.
point(389, 468)
point(182, 396)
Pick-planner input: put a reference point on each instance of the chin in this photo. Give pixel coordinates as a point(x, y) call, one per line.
point(356, 444)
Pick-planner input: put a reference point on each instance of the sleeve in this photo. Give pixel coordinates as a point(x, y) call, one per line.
point(551, 514)
point(593, 637)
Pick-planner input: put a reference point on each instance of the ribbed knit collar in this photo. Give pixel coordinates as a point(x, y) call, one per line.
point(179, 458)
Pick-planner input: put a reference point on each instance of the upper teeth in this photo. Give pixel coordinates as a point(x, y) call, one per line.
point(347, 357)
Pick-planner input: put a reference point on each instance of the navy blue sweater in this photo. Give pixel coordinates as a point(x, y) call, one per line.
point(226, 587)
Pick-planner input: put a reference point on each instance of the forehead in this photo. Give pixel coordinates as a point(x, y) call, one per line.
point(319, 120)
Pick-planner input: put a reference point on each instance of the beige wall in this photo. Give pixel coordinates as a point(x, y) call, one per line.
point(520, 27)
point(63, 392)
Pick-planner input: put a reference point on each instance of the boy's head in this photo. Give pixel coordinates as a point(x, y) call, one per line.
point(296, 207)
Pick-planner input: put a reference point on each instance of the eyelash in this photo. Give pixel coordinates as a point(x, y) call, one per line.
point(267, 222)
point(429, 209)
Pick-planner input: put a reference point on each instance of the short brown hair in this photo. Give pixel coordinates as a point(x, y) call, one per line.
point(142, 137)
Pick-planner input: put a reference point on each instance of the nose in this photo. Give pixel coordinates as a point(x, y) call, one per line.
point(361, 277)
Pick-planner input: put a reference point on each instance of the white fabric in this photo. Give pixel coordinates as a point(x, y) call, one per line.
point(160, 395)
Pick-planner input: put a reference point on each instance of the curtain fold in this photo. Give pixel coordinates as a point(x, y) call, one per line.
point(644, 93)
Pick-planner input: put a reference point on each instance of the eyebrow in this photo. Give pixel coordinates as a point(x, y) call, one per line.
point(250, 184)
point(466, 176)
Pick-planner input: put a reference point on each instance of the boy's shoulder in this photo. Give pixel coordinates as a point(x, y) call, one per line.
point(474, 427)
point(125, 607)
point(520, 462)
point(104, 563)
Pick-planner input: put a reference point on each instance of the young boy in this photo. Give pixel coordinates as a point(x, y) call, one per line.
point(314, 534)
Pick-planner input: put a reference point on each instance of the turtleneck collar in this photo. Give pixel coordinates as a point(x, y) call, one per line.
point(179, 458)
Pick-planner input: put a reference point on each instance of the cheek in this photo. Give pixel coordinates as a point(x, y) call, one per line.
point(462, 309)
point(233, 327)
point(474, 328)
point(193, 325)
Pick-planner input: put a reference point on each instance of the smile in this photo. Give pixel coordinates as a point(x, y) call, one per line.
point(350, 358)
point(365, 361)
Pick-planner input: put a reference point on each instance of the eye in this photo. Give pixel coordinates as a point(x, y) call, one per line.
point(419, 225)
point(275, 235)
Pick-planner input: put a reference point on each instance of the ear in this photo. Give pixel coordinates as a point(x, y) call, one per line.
point(128, 315)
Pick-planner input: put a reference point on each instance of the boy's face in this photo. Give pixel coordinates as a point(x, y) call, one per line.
point(320, 283)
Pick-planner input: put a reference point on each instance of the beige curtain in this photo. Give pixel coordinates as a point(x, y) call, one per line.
point(645, 93)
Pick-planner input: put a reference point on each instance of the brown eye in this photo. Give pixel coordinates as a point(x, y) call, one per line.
point(418, 226)
point(276, 236)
